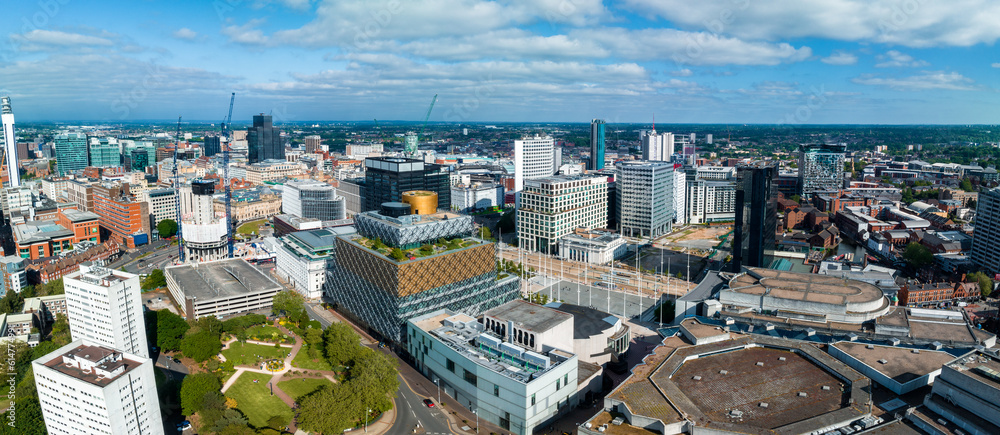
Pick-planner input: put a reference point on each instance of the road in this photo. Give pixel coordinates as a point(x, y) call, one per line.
point(413, 411)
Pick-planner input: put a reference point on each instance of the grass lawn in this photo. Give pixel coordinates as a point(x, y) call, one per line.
point(244, 354)
point(250, 227)
point(264, 333)
point(302, 386)
point(256, 401)
point(303, 361)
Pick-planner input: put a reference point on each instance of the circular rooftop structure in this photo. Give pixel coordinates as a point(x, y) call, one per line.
point(422, 202)
point(805, 296)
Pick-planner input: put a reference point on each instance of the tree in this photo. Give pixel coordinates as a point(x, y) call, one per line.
point(397, 254)
point(966, 185)
point(229, 418)
point(342, 344)
point(193, 391)
point(985, 283)
point(170, 330)
point(12, 302)
point(917, 255)
point(316, 414)
point(156, 279)
point(971, 204)
point(373, 380)
point(167, 228)
point(485, 233)
point(314, 338)
point(60, 330)
point(506, 223)
point(796, 198)
point(201, 345)
point(289, 303)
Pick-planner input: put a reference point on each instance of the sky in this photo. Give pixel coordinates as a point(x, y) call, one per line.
point(630, 61)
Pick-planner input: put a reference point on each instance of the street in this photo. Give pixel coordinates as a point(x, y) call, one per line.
point(412, 411)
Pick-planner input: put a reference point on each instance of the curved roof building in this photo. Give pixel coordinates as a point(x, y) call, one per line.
point(805, 296)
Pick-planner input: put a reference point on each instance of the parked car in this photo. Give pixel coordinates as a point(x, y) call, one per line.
point(429, 403)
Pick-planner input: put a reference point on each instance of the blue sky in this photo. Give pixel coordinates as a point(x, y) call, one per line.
point(682, 61)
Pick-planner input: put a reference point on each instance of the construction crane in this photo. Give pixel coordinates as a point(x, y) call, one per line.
point(428, 116)
point(225, 176)
point(177, 195)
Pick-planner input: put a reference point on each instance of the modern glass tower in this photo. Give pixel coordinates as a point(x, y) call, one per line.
point(386, 178)
point(213, 145)
point(71, 152)
point(596, 145)
point(264, 141)
point(821, 168)
point(104, 153)
point(756, 216)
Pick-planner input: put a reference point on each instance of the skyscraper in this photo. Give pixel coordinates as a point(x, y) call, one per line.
point(410, 142)
point(821, 168)
point(386, 178)
point(10, 142)
point(596, 145)
point(86, 387)
point(553, 207)
point(205, 234)
point(104, 152)
point(71, 152)
point(534, 157)
point(657, 147)
point(986, 238)
point(264, 140)
point(756, 216)
point(645, 198)
point(104, 306)
point(213, 145)
point(314, 144)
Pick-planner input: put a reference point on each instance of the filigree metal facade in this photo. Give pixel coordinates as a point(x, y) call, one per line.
point(407, 231)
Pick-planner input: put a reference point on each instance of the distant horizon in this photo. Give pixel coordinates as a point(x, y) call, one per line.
point(443, 123)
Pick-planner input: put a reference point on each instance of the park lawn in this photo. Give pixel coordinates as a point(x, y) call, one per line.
point(303, 361)
point(302, 386)
point(264, 332)
point(250, 227)
point(256, 401)
point(245, 354)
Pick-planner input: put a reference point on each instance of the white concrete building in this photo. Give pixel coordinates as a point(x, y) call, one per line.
point(594, 246)
point(476, 196)
point(710, 201)
point(645, 201)
point(205, 232)
point(312, 199)
point(16, 200)
point(104, 306)
point(657, 147)
point(556, 206)
point(534, 157)
point(87, 388)
point(680, 198)
point(10, 142)
point(302, 258)
point(53, 187)
point(162, 204)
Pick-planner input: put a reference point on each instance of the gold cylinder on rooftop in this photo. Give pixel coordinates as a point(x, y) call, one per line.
point(422, 202)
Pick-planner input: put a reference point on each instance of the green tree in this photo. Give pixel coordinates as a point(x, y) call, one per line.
point(316, 414)
point(12, 302)
point(314, 338)
point(230, 417)
point(342, 344)
point(971, 204)
point(53, 287)
point(193, 391)
point(167, 228)
point(917, 255)
point(170, 330)
point(397, 254)
point(201, 345)
point(156, 279)
point(796, 198)
point(60, 330)
point(288, 303)
point(985, 283)
point(373, 380)
point(966, 185)
point(485, 233)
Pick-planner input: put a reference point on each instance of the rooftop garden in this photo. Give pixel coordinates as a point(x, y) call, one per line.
point(426, 250)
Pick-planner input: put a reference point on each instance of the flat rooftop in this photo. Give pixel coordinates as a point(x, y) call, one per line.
point(93, 354)
point(901, 364)
point(587, 322)
point(978, 367)
point(806, 287)
point(529, 316)
point(80, 216)
point(220, 279)
point(39, 231)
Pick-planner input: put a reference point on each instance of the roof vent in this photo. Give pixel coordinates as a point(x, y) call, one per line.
point(803, 394)
point(697, 378)
point(826, 388)
point(882, 361)
point(915, 351)
point(781, 358)
point(723, 372)
point(763, 404)
point(760, 363)
point(870, 346)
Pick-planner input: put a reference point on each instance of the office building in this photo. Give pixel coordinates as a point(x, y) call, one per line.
point(314, 144)
point(476, 196)
point(592, 246)
point(264, 140)
point(986, 238)
point(518, 371)
point(821, 168)
point(657, 147)
point(205, 234)
point(534, 157)
point(680, 197)
point(71, 152)
point(245, 209)
point(87, 388)
point(554, 207)
point(645, 202)
point(711, 195)
point(312, 199)
point(213, 145)
point(756, 216)
point(13, 274)
point(123, 218)
point(597, 132)
point(262, 172)
point(105, 306)
point(16, 203)
point(225, 288)
point(386, 178)
point(162, 205)
point(410, 142)
point(104, 152)
point(421, 264)
point(303, 256)
point(10, 143)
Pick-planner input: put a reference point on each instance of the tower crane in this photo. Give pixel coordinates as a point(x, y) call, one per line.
point(225, 176)
point(177, 195)
point(428, 116)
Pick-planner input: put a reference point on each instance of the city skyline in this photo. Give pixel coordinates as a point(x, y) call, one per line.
point(718, 61)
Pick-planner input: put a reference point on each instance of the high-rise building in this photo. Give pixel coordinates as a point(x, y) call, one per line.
point(314, 144)
point(312, 199)
point(162, 205)
point(680, 197)
point(104, 152)
point(534, 157)
point(86, 387)
point(381, 290)
point(10, 143)
point(15, 277)
point(986, 238)
point(410, 142)
point(302, 257)
point(645, 202)
point(596, 145)
point(657, 147)
point(821, 168)
point(105, 306)
point(71, 152)
point(123, 218)
point(386, 178)
point(554, 207)
point(756, 216)
point(205, 233)
point(213, 145)
point(264, 140)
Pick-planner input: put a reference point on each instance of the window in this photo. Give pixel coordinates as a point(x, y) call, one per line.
point(566, 379)
point(557, 384)
point(496, 390)
point(451, 366)
point(532, 399)
point(471, 378)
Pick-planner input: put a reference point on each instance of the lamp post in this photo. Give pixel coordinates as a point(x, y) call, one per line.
point(436, 381)
point(366, 419)
point(477, 420)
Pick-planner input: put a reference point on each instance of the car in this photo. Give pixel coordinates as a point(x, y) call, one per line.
point(429, 403)
point(177, 360)
point(183, 426)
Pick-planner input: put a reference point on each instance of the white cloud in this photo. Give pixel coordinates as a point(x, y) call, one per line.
point(504, 44)
point(926, 81)
point(682, 73)
point(247, 34)
point(693, 48)
point(893, 58)
point(995, 65)
point(185, 34)
point(54, 37)
point(840, 58)
point(911, 24)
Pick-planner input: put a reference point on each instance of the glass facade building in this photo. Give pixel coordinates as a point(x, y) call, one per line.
point(104, 154)
point(386, 178)
point(596, 145)
point(213, 145)
point(821, 168)
point(756, 216)
point(313, 200)
point(71, 152)
point(264, 141)
point(645, 202)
